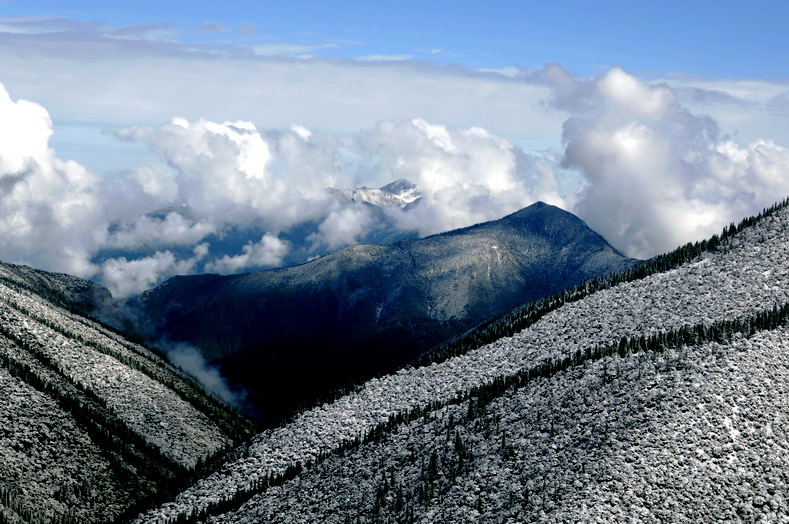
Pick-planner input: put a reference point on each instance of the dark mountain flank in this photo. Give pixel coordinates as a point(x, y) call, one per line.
point(290, 334)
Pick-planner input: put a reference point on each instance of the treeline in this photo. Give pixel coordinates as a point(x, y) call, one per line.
point(81, 307)
point(230, 503)
point(149, 475)
point(522, 317)
point(139, 466)
point(720, 332)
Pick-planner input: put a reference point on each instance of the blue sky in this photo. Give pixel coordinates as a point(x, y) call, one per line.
point(701, 43)
point(720, 39)
point(657, 123)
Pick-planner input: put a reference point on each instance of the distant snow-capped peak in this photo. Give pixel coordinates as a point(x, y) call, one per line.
point(399, 193)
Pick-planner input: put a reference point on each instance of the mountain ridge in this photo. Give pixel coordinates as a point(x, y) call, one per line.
point(400, 193)
point(698, 292)
point(92, 424)
point(657, 392)
point(372, 308)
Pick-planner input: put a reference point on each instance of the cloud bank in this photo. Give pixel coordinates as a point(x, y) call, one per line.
point(49, 208)
point(637, 163)
point(657, 174)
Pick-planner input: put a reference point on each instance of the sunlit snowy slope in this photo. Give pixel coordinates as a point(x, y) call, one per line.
point(91, 424)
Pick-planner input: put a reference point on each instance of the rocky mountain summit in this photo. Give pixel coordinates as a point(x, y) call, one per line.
point(400, 193)
point(294, 333)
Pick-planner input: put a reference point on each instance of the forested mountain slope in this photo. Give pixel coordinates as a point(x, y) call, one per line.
point(69, 292)
point(290, 335)
point(696, 434)
point(581, 387)
point(90, 424)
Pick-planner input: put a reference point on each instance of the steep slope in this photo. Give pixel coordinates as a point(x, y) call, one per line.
point(690, 435)
point(294, 333)
point(91, 425)
point(74, 294)
point(572, 390)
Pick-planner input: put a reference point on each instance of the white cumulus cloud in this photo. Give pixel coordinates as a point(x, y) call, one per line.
point(49, 208)
point(658, 175)
point(637, 163)
point(465, 176)
point(126, 277)
point(268, 252)
point(343, 227)
point(147, 232)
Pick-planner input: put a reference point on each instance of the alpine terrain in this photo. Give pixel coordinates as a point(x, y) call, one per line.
point(656, 394)
point(92, 425)
point(291, 335)
point(302, 240)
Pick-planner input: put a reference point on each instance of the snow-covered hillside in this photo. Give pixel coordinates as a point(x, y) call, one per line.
point(749, 272)
point(91, 424)
point(690, 435)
